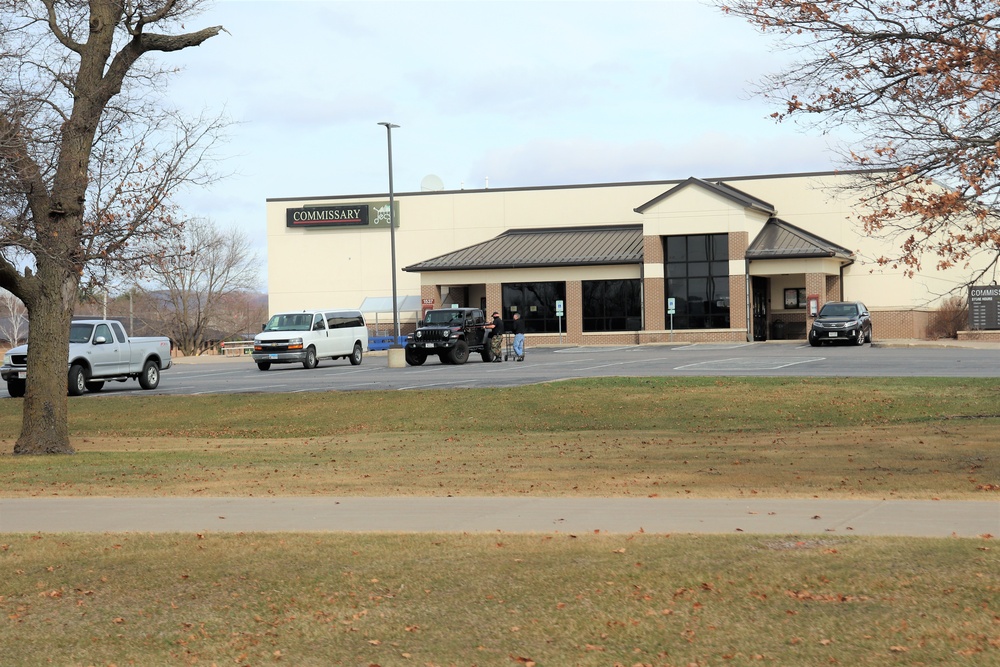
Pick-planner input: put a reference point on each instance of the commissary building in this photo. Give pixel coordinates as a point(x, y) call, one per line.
point(743, 258)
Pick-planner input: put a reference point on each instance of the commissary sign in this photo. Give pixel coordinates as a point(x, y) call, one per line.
point(341, 215)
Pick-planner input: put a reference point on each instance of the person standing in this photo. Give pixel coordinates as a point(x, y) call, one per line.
point(518, 337)
point(496, 336)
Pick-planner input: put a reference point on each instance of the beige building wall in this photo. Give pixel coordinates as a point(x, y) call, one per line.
point(339, 267)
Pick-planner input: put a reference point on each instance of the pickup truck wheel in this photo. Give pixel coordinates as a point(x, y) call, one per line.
point(263, 365)
point(77, 380)
point(95, 386)
point(15, 388)
point(356, 355)
point(310, 361)
point(460, 353)
point(150, 377)
point(415, 358)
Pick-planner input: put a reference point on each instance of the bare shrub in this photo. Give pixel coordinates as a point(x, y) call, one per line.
point(951, 317)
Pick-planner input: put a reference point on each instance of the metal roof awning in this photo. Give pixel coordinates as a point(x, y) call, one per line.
point(383, 304)
point(562, 246)
point(781, 240)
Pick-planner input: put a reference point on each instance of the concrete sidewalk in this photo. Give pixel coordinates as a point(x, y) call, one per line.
point(918, 518)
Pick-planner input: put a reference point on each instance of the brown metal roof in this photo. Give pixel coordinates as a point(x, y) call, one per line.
point(727, 191)
point(781, 240)
point(562, 246)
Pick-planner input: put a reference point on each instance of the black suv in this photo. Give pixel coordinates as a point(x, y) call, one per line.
point(450, 333)
point(847, 321)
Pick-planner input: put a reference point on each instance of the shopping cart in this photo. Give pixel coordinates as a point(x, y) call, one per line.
point(508, 347)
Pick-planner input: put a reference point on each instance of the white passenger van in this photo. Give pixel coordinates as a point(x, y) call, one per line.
point(310, 335)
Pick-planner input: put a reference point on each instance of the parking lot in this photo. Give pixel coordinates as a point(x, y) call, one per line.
point(213, 374)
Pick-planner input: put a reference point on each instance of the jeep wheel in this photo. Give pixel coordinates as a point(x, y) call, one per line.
point(460, 353)
point(356, 355)
point(487, 353)
point(15, 387)
point(310, 361)
point(415, 357)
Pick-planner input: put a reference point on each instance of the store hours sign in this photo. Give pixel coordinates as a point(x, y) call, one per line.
point(984, 307)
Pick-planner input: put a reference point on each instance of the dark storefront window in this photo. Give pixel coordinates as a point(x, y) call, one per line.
point(697, 277)
point(537, 304)
point(612, 305)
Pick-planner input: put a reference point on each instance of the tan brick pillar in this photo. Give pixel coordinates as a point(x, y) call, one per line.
point(653, 285)
point(816, 284)
point(573, 318)
point(431, 292)
point(494, 298)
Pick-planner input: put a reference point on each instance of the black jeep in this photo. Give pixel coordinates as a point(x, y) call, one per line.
point(450, 333)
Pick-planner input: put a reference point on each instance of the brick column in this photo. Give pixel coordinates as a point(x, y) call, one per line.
point(653, 285)
point(816, 284)
point(494, 298)
point(573, 319)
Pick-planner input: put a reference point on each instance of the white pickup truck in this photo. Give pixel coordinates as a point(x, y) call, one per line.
point(99, 352)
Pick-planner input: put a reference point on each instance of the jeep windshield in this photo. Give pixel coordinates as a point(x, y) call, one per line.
point(443, 317)
point(296, 322)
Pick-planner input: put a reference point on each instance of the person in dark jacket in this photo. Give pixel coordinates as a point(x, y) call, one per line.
point(496, 336)
point(518, 337)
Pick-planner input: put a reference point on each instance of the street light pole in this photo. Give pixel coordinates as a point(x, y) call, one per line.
point(392, 237)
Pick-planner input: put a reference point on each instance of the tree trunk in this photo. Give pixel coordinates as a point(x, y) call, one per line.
point(45, 421)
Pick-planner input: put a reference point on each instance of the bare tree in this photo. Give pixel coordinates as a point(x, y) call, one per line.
point(89, 156)
point(193, 279)
point(13, 318)
point(240, 314)
point(920, 82)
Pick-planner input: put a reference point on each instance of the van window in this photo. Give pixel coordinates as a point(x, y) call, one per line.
point(344, 320)
point(318, 323)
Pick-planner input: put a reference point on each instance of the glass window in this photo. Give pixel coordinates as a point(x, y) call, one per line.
point(537, 304)
point(697, 277)
point(612, 305)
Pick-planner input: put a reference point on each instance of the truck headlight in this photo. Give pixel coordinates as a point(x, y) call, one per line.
point(6, 360)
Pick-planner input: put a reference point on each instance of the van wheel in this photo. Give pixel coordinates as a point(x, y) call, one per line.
point(95, 386)
point(460, 353)
point(263, 365)
point(77, 380)
point(150, 376)
point(356, 355)
point(16, 388)
point(415, 358)
point(310, 360)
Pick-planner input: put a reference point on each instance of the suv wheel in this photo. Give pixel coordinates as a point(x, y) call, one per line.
point(415, 358)
point(460, 353)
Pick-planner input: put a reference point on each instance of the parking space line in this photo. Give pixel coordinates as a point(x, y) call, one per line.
point(746, 364)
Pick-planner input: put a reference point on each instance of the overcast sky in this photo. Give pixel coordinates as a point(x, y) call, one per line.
point(485, 92)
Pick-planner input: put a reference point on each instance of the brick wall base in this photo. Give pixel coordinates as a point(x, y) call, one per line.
point(991, 336)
